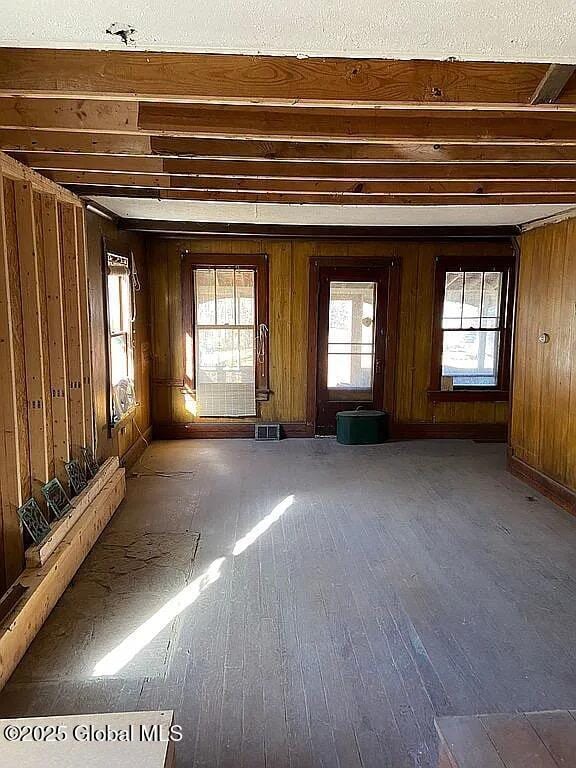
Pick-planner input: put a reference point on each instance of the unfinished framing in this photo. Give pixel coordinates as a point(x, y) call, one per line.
point(46, 406)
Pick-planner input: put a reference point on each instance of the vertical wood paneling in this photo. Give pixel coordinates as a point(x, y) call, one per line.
point(289, 273)
point(543, 431)
point(126, 436)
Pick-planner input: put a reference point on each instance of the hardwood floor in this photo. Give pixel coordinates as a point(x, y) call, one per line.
point(402, 582)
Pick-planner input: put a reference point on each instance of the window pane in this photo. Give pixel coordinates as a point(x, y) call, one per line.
point(114, 306)
point(491, 299)
point(472, 304)
point(126, 300)
point(225, 310)
point(472, 300)
point(351, 335)
point(244, 297)
point(204, 285)
point(470, 359)
point(225, 355)
point(118, 359)
point(453, 288)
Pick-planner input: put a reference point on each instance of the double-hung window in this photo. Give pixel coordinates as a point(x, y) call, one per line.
point(120, 308)
point(226, 334)
point(472, 334)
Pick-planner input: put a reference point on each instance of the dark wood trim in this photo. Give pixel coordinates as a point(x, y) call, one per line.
point(227, 430)
point(393, 263)
point(507, 264)
point(313, 292)
point(258, 262)
point(461, 431)
point(514, 320)
point(318, 232)
point(561, 495)
point(188, 322)
point(106, 319)
point(392, 326)
point(167, 382)
point(469, 396)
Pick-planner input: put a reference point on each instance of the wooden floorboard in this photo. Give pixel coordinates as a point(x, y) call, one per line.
point(407, 581)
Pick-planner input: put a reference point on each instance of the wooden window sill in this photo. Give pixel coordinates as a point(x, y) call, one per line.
point(469, 396)
point(117, 425)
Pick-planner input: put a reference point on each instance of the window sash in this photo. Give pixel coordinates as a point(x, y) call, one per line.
point(258, 264)
point(118, 267)
point(222, 390)
point(501, 329)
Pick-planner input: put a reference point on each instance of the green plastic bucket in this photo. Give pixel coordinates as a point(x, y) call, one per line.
point(361, 427)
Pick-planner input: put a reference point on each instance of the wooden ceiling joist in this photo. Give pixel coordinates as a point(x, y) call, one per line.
point(29, 141)
point(425, 198)
point(289, 130)
point(315, 186)
point(315, 231)
point(51, 163)
point(394, 126)
point(269, 80)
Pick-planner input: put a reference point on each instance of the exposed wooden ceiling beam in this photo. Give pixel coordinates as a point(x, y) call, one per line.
point(50, 162)
point(359, 125)
point(322, 232)
point(553, 83)
point(314, 186)
point(33, 139)
point(131, 145)
point(511, 198)
point(217, 78)
point(389, 126)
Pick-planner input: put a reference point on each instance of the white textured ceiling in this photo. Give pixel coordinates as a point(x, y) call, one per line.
point(493, 30)
point(272, 213)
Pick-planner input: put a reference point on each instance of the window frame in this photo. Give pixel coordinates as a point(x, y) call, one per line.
point(499, 392)
point(111, 248)
point(257, 262)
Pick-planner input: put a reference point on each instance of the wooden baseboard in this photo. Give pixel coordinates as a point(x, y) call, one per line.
point(427, 430)
point(41, 587)
point(136, 449)
point(202, 430)
point(561, 495)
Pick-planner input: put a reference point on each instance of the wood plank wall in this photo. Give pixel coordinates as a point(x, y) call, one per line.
point(45, 367)
point(289, 272)
point(125, 440)
point(543, 418)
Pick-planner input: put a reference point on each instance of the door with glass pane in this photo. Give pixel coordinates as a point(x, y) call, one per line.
point(351, 342)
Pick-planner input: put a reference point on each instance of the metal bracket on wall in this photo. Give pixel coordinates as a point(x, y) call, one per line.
point(90, 463)
point(77, 477)
point(34, 521)
point(57, 499)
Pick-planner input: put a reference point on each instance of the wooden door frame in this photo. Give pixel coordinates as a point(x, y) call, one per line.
point(393, 263)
